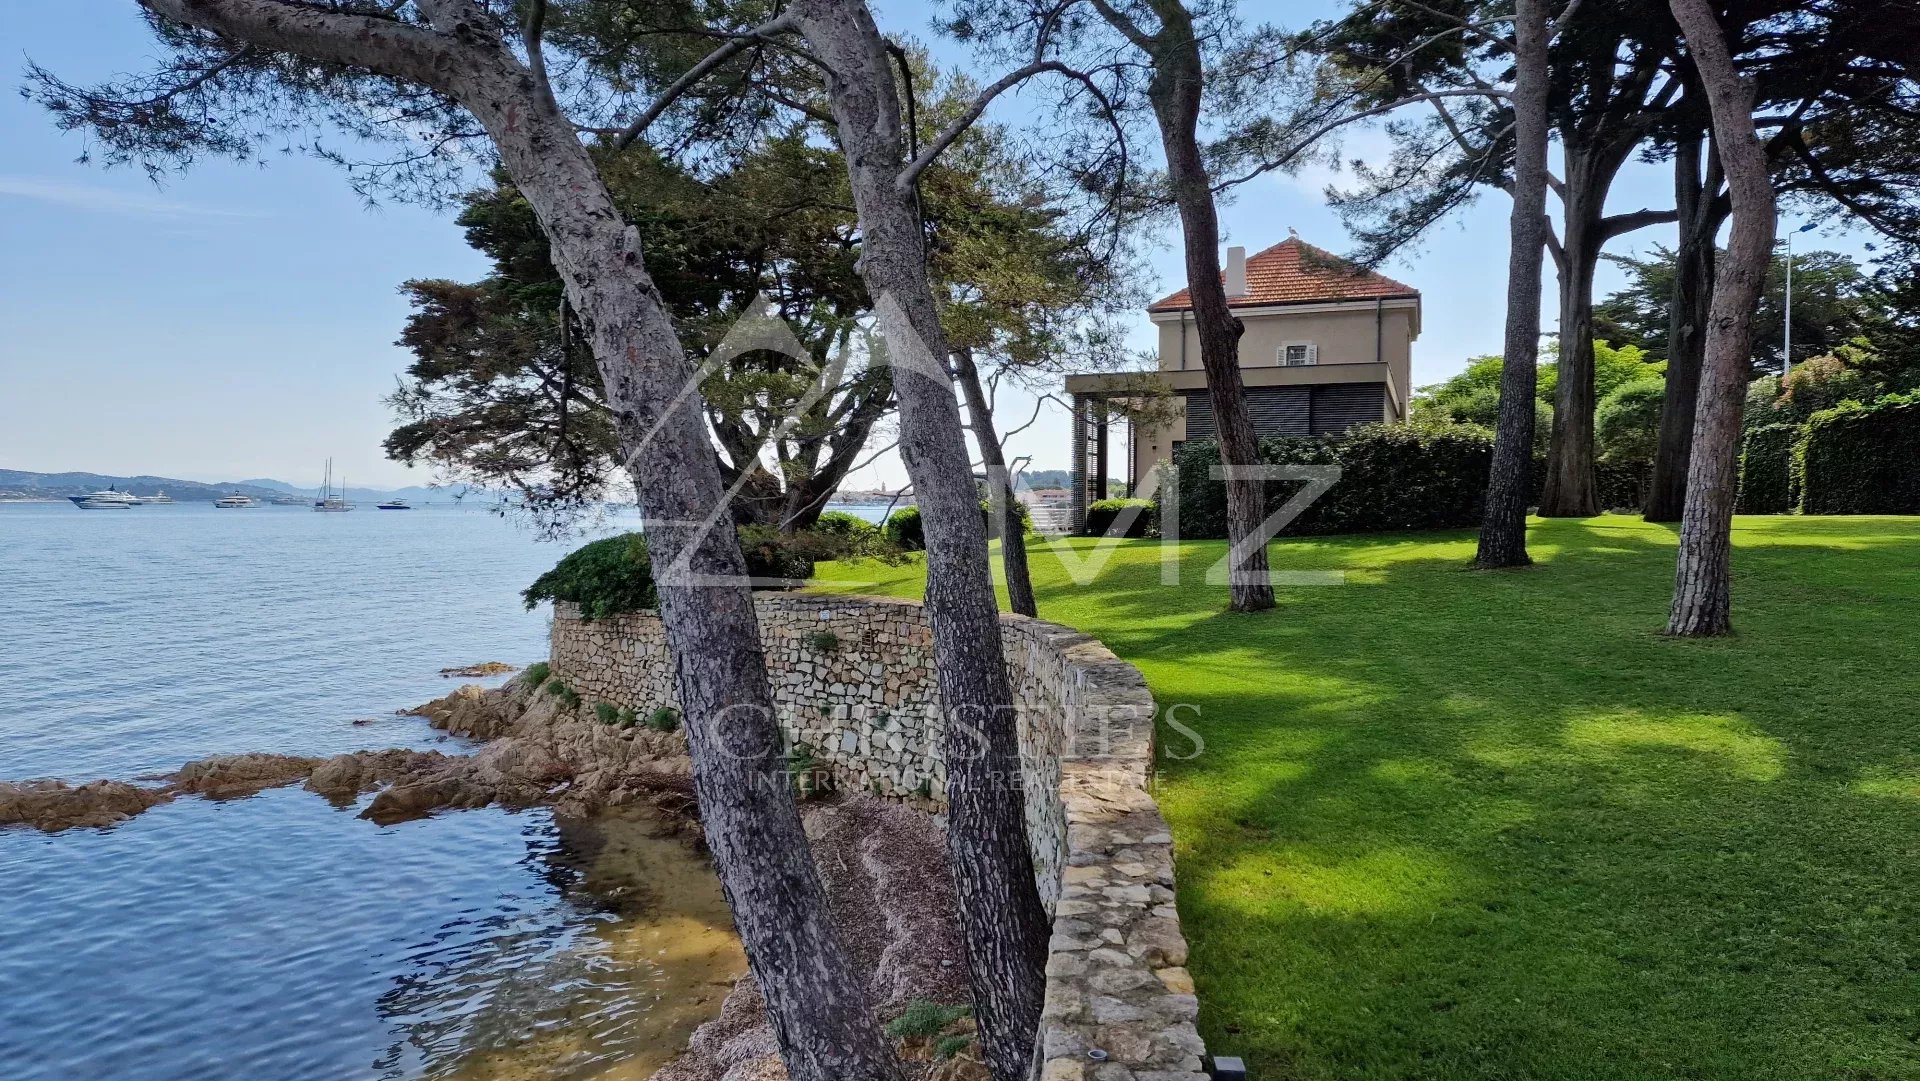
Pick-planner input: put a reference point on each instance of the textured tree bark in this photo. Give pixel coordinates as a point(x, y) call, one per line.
point(1503, 531)
point(1013, 541)
point(819, 1007)
point(1000, 910)
point(1175, 92)
point(1572, 490)
point(1703, 572)
point(1687, 316)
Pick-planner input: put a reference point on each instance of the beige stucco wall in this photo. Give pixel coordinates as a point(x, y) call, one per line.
point(1347, 354)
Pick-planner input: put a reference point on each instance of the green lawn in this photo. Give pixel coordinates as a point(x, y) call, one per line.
point(1451, 824)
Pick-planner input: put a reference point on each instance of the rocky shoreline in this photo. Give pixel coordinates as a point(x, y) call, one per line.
point(882, 862)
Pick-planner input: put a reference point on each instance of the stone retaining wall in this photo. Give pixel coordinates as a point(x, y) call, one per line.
point(854, 683)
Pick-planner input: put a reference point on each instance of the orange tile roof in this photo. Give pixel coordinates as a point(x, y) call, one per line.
point(1293, 272)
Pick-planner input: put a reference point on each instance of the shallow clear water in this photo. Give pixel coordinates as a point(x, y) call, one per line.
point(276, 937)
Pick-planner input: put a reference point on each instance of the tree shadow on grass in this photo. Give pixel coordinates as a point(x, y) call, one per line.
point(1462, 825)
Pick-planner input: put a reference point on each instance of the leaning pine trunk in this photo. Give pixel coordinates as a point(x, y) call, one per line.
point(1503, 532)
point(819, 1007)
point(1702, 582)
point(818, 1004)
point(1176, 95)
point(1687, 315)
point(1013, 540)
point(1005, 924)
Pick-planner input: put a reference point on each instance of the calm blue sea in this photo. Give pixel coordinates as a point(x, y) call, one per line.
point(275, 937)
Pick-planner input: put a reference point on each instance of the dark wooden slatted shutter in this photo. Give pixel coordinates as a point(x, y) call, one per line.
point(1339, 406)
point(1279, 410)
point(1200, 423)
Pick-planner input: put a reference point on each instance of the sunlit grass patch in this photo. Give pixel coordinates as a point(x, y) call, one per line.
point(1450, 824)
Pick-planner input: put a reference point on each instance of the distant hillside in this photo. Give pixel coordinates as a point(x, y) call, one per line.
point(20, 484)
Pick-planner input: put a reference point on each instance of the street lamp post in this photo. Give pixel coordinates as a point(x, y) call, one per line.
point(1786, 345)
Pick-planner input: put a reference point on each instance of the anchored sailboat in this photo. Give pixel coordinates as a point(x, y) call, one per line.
point(329, 501)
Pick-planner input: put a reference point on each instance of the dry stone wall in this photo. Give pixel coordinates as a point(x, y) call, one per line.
point(854, 684)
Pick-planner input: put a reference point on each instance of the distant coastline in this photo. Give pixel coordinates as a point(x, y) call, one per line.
point(23, 486)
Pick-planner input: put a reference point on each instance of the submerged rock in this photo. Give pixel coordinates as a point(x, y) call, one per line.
point(233, 776)
point(488, 668)
point(56, 805)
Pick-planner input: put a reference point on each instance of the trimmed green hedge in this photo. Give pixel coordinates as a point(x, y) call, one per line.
point(1393, 477)
point(1863, 459)
point(615, 575)
point(905, 530)
point(840, 523)
point(1101, 515)
point(1767, 481)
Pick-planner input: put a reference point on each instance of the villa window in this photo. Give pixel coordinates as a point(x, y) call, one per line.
point(1299, 354)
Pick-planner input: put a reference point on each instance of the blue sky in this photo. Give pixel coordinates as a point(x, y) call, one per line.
point(238, 321)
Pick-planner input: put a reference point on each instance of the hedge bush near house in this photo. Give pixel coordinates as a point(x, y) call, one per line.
point(1768, 484)
point(1864, 459)
point(1393, 477)
point(1102, 514)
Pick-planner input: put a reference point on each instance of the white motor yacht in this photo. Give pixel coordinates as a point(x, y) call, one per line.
point(235, 501)
point(111, 499)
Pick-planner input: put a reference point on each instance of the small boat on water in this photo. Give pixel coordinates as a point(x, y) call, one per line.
point(111, 499)
point(157, 497)
point(393, 504)
point(235, 501)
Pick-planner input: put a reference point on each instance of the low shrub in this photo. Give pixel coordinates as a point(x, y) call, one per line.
point(605, 578)
point(536, 674)
point(943, 1027)
point(1102, 515)
point(924, 1019)
point(1864, 459)
point(558, 689)
point(664, 719)
point(840, 523)
point(607, 712)
point(905, 529)
point(777, 557)
point(811, 777)
point(1393, 477)
point(823, 642)
point(1767, 481)
point(615, 575)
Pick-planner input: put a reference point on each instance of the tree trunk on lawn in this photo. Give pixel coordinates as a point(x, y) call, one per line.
point(1572, 489)
point(1175, 92)
point(1000, 911)
point(1702, 581)
point(819, 1007)
point(1503, 531)
point(1013, 541)
point(1687, 315)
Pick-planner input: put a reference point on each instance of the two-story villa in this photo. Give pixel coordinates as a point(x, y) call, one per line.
point(1327, 345)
